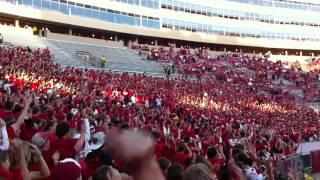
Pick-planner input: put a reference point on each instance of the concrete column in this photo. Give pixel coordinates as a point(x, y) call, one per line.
point(136, 40)
point(300, 53)
point(224, 49)
point(116, 37)
point(156, 42)
point(46, 30)
point(17, 23)
point(70, 31)
point(312, 54)
point(286, 52)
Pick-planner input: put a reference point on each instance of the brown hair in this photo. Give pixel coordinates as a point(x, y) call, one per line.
point(201, 159)
point(101, 173)
point(175, 172)
point(197, 172)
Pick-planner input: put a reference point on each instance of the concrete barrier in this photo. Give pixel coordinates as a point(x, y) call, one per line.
point(17, 31)
point(85, 40)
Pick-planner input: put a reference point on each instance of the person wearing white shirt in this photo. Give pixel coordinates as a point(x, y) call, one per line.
point(4, 136)
point(158, 102)
point(133, 99)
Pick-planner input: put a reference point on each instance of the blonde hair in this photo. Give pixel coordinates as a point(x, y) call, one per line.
point(197, 172)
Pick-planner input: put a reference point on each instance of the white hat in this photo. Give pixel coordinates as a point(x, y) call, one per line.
point(95, 112)
point(99, 136)
point(6, 87)
point(74, 111)
point(50, 92)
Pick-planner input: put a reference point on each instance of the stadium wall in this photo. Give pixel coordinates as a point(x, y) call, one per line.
point(67, 20)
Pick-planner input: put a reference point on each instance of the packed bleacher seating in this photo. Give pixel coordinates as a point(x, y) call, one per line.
point(63, 123)
point(241, 67)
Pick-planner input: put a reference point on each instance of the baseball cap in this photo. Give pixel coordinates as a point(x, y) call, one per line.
point(66, 169)
point(97, 140)
point(39, 139)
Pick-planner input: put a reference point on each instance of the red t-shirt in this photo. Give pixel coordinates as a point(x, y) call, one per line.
point(27, 132)
point(5, 174)
point(219, 161)
point(65, 147)
point(11, 133)
point(16, 174)
point(159, 148)
point(47, 156)
point(181, 158)
point(88, 166)
point(4, 114)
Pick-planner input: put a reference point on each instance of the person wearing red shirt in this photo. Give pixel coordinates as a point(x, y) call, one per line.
point(159, 147)
point(216, 157)
point(183, 153)
point(7, 111)
point(67, 147)
point(15, 128)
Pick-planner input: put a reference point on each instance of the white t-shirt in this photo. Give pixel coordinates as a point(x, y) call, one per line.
point(115, 93)
point(158, 101)
point(133, 99)
point(252, 174)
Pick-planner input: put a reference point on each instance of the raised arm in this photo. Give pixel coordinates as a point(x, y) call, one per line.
point(21, 118)
point(189, 151)
point(80, 142)
point(22, 164)
point(233, 169)
point(44, 169)
point(136, 150)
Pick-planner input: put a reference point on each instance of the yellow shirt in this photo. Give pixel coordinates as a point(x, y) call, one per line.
point(103, 58)
point(35, 29)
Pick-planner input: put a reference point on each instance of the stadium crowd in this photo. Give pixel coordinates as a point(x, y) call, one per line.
point(69, 123)
point(241, 67)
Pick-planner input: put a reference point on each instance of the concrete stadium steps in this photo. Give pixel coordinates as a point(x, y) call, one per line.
point(32, 41)
point(119, 59)
point(61, 56)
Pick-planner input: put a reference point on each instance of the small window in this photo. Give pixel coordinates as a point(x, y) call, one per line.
point(79, 4)
point(95, 7)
